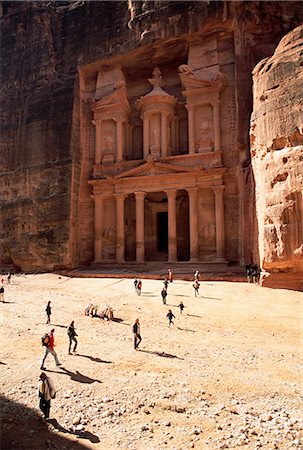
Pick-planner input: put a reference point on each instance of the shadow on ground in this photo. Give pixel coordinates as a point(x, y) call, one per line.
point(81, 435)
point(23, 429)
point(162, 354)
point(92, 358)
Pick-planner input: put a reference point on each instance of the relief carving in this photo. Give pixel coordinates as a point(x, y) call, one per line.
point(205, 134)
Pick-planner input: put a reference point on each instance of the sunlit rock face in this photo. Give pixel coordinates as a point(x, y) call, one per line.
point(55, 60)
point(277, 159)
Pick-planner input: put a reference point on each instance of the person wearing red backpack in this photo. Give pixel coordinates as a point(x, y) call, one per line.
point(49, 348)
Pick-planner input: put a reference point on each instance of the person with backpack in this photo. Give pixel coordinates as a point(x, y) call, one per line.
point(137, 335)
point(164, 295)
point(72, 337)
point(46, 392)
point(48, 311)
point(2, 294)
point(49, 342)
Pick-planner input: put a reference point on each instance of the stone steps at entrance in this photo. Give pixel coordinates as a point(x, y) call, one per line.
point(158, 270)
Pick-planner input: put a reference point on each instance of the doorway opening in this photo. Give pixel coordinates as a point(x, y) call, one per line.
point(162, 231)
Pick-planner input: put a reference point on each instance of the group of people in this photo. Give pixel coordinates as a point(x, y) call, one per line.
point(253, 273)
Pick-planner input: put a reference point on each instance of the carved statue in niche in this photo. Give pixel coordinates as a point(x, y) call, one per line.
point(205, 134)
point(109, 141)
point(208, 231)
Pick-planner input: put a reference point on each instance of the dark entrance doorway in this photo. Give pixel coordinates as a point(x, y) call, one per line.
point(162, 231)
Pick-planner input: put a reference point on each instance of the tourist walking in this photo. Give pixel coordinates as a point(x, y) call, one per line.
point(9, 278)
point(136, 285)
point(170, 275)
point(181, 306)
point(170, 316)
point(2, 294)
point(166, 283)
point(196, 275)
point(49, 348)
point(139, 287)
point(46, 392)
point(72, 337)
point(48, 311)
point(137, 335)
point(164, 295)
point(196, 286)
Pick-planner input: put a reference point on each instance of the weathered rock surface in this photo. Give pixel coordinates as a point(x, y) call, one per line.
point(277, 160)
point(46, 217)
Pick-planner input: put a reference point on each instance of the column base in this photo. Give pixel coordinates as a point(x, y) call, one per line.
point(221, 260)
point(194, 260)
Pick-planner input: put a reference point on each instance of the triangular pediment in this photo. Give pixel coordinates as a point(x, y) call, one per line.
point(153, 168)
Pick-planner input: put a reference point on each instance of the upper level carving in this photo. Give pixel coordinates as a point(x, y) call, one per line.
point(158, 124)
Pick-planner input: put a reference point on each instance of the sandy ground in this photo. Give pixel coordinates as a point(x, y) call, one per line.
point(226, 375)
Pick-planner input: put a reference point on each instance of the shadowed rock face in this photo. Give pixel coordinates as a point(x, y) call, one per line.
point(277, 159)
point(46, 216)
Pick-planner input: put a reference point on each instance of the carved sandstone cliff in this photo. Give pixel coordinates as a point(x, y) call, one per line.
point(277, 160)
point(47, 145)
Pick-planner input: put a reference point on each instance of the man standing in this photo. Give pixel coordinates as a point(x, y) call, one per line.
point(136, 332)
point(48, 311)
point(196, 286)
point(49, 348)
point(46, 392)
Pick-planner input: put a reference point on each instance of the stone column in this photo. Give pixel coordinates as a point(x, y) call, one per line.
point(217, 129)
point(145, 136)
point(172, 225)
point(191, 129)
point(193, 223)
point(163, 134)
point(220, 228)
point(119, 134)
point(98, 141)
point(140, 246)
point(120, 236)
point(98, 239)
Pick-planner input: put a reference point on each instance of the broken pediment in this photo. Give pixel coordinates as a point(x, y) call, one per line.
point(153, 168)
point(190, 82)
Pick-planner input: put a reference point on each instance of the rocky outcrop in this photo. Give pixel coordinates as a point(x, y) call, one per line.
point(277, 159)
point(46, 210)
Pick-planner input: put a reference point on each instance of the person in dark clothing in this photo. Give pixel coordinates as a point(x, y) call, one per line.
point(2, 294)
point(72, 337)
point(139, 287)
point(196, 286)
point(248, 270)
point(164, 295)
point(137, 335)
point(47, 391)
point(181, 306)
point(48, 312)
point(166, 283)
point(255, 273)
point(170, 316)
point(136, 285)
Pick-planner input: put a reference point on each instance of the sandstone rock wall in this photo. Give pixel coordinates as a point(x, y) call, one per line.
point(277, 160)
point(46, 210)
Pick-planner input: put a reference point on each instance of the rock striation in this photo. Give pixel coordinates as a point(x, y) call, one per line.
point(55, 57)
point(277, 159)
